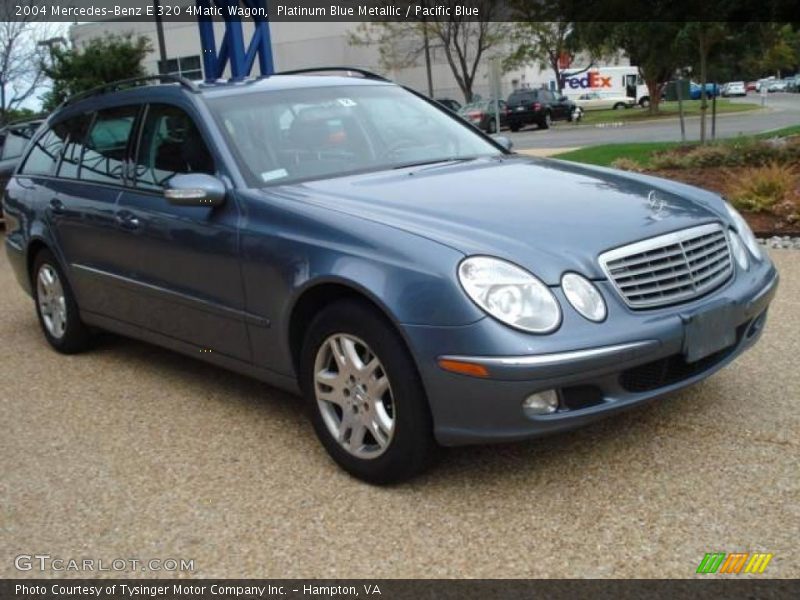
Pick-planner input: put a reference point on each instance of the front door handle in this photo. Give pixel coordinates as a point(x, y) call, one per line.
point(127, 220)
point(56, 206)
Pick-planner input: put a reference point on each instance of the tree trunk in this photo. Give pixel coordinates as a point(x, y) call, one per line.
point(655, 95)
point(703, 77)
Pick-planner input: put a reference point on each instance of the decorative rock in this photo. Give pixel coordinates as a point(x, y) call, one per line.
point(781, 242)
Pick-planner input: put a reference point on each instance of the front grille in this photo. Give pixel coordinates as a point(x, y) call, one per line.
point(674, 369)
point(670, 268)
point(667, 371)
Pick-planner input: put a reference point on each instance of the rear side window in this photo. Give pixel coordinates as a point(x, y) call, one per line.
point(43, 156)
point(107, 144)
point(75, 130)
point(170, 144)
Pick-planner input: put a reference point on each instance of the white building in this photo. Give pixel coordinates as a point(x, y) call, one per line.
point(298, 45)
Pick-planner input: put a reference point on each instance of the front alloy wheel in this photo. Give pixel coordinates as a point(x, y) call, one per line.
point(364, 395)
point(354, 396)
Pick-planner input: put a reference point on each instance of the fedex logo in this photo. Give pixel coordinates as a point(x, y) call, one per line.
point(592, 79)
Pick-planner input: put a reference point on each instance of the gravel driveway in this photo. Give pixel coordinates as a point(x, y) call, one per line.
point(131, 451)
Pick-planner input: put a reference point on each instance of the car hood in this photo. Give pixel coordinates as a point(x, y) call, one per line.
point(548, 216)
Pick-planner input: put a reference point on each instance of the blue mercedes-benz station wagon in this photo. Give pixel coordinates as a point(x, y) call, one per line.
point(344, 237)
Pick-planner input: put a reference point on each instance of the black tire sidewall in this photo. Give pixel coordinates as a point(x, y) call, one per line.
point(412, 446)
point(76, 334)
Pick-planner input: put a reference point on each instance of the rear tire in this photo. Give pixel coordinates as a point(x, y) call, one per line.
point(56, 307)
point(514, 128)
point(364, 395)
point(618, 106)
point(546, 121)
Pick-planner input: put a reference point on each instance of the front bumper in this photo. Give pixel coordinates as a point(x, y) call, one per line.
point(598, 369)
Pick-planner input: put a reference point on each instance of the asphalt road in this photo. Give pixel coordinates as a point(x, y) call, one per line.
point(131, 451)
point(782, 110)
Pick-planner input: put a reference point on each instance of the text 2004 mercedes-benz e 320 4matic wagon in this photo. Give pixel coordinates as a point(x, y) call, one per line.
point(347, 238)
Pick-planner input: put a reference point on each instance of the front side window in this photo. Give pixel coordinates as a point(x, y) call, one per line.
point(106, 145)
point(170, 144)
point(311, 133)
point(43, 156)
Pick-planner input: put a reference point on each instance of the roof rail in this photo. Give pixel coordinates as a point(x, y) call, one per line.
point(349, 70)
point(133, 82)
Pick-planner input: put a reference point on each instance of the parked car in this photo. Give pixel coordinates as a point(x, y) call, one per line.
point(349, 239)
point(794, 84)
point(450, 104)
point(598, 101)
point(482, 115)
point(779, 85)
point(752, 86)
point(712, 89)
point(734, 88)
point(13, 140)
point(538, 107)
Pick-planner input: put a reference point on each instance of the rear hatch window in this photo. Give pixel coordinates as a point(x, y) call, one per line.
point(518, 98)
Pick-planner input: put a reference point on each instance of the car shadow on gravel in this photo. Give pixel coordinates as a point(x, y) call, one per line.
point(484, 465)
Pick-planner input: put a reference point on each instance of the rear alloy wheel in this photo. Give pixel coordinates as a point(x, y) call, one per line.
point(619, 106)
point(56, 308)
point(364, 395)
point(492, 126)
point(546, 122)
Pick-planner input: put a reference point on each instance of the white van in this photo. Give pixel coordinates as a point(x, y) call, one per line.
point(618, 81)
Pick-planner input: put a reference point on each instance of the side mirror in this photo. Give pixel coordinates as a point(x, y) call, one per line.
point(503, 141)
point(563, 99)
point(195, 189)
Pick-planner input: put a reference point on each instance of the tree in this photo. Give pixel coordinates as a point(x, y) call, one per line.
point(650, 45)
point(21, 57)
point(101, 60)
point(543, 43)
point(464, 41)
point(704, 36)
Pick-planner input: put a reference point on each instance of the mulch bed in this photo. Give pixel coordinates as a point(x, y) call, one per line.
point(715, 179)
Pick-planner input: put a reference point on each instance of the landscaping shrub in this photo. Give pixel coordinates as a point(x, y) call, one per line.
point(750, 152)
point(763, 188)
point(627, 164)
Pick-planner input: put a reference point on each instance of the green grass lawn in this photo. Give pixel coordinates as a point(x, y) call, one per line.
point(667, 110)
point(605, 154)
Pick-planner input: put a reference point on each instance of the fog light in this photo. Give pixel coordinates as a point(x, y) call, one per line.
point(541, 403)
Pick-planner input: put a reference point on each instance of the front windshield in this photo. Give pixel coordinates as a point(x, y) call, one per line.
point(311, 133)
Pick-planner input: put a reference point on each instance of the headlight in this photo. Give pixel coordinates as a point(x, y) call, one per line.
point(584, 297)
point(744, 231)
point(739, 253)
point(510, 294)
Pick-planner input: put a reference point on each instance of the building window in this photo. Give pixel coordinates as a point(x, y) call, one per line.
point(185, 66)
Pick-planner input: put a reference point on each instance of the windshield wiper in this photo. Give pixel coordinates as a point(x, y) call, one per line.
point(435, 161)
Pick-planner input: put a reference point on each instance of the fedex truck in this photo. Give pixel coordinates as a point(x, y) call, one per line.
point(621, 81)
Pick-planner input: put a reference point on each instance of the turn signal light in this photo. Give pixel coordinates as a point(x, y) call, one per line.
point(463, 368)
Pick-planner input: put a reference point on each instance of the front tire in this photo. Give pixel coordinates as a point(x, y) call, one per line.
point(364, 395)
point(56, 307)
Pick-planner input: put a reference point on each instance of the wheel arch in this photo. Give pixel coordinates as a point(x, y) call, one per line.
point(320, 294)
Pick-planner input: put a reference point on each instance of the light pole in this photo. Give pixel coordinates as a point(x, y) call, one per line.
point(162, 46)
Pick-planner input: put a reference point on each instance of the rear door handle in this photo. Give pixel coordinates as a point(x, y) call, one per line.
point(57, 206)
point(127, 220)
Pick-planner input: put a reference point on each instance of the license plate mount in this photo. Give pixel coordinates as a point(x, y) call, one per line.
point(708, 331)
